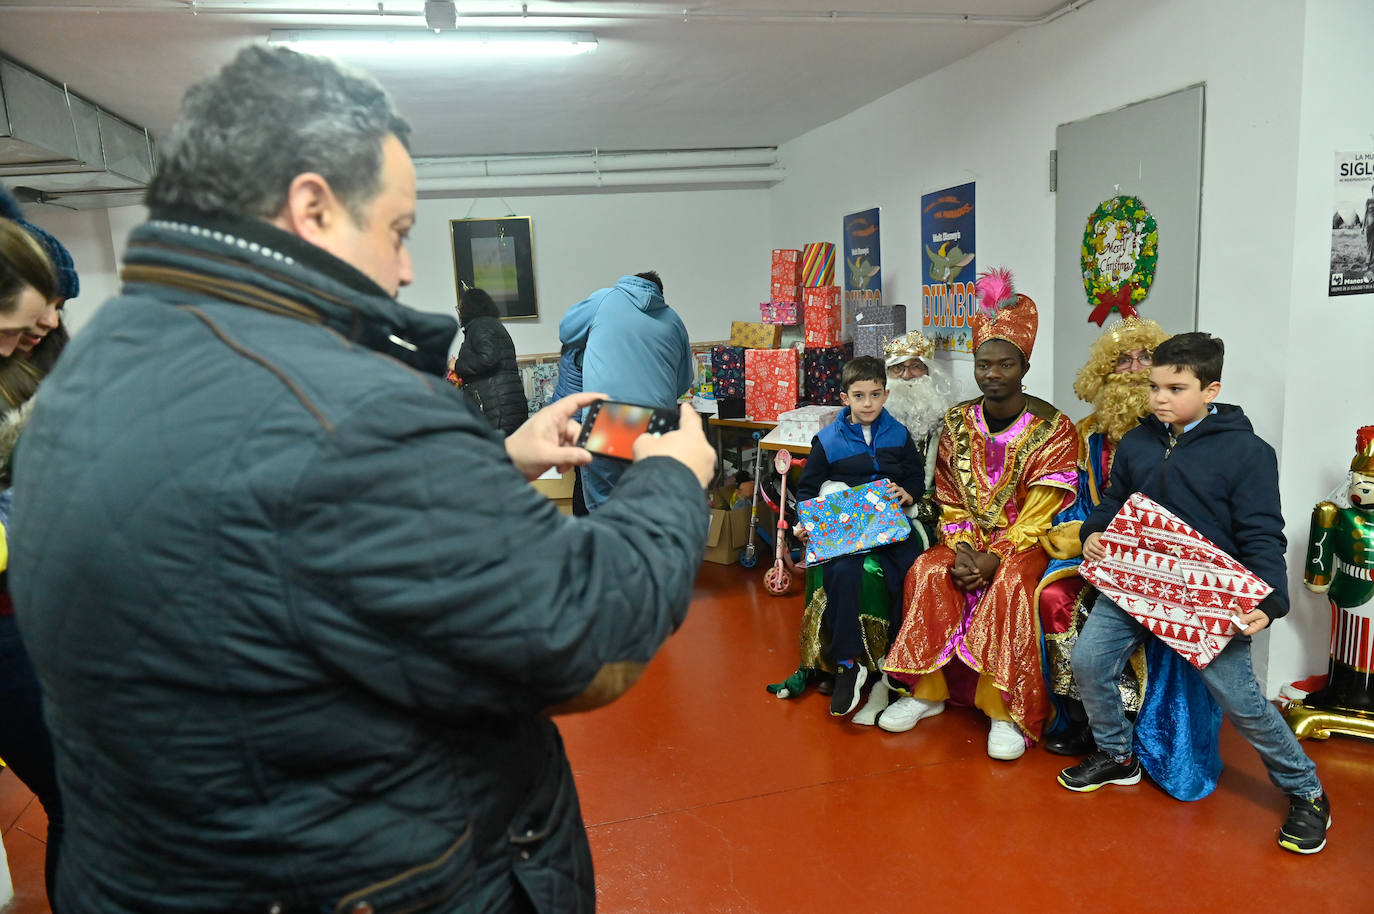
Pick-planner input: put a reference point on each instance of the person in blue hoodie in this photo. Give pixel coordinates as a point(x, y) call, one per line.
point(633, 348)
point(1204, 462)
point(864, 444)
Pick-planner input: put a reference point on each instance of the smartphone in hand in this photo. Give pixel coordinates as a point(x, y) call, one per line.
point(611, 427)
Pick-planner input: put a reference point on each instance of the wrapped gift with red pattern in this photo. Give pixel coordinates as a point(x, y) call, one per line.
point(821, 316)
point(1174, 580)
point(778, 312)
point(785, 291)
point(787, 267)
point(822, 367)
point(818, 264)
point(727, 371)
point(770, 383)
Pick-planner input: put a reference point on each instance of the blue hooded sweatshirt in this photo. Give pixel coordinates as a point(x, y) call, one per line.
point(635, 348)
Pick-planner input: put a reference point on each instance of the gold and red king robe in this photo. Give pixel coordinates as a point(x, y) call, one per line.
point(999, 493)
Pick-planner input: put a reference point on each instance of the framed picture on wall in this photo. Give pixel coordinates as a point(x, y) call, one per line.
point(497, 255)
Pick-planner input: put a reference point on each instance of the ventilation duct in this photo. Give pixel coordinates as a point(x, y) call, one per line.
point(56, 147)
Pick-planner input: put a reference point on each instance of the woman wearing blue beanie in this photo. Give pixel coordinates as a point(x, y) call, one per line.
point(32, 293)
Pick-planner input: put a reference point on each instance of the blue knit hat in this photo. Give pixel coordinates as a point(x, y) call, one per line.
point(68, 285)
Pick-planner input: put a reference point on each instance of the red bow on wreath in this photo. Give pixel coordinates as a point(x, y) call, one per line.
point(1107, 300)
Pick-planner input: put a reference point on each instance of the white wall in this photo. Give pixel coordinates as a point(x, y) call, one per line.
point(992, 117)
point(1331, 357)
point(710, 247)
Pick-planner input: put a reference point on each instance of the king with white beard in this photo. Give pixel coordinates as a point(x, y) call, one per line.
point(918, 396)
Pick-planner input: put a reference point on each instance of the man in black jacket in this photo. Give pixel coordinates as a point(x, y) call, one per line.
point(299, 618)
point(1204, 463)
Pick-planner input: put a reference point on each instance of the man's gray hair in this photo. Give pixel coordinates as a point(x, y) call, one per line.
point(244, 134)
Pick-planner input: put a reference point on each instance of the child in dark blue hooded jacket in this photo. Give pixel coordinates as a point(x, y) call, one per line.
point(864, 444)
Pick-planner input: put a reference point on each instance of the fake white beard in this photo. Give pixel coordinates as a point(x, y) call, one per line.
point(918, 403)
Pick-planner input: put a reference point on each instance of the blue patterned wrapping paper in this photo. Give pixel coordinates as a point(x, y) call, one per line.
point(852, 521)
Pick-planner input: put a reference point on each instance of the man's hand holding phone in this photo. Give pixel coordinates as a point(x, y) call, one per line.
point(687, 445)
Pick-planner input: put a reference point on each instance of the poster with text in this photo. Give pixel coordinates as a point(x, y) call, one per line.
point(948, 267)
point(1352, 225)
point(863, 283)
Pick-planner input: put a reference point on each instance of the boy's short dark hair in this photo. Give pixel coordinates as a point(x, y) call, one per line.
point(653, 277)
point(1200, 353)
point(864, 368)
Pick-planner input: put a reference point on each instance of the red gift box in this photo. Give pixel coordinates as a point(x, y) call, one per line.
point(1174, 580)
point(787, 268)
point(785, 292)
point(821, 315)
point(771, 382)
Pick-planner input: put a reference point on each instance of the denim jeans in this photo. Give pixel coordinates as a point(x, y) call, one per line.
point(24, 742)
point(1106, 643)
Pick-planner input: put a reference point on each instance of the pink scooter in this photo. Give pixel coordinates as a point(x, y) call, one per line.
point(778, 579)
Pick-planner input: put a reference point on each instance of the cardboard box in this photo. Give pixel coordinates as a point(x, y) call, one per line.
point(728, 533)
point(818, 264)
point(799, 426)
point(557, 489)
point(771, 382)
point(822, 316)
point(787, 266)
point(779, 312)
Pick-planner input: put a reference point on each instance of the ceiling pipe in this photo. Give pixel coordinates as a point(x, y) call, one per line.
point(250, 8)
point(591, 162)
point(657, 178)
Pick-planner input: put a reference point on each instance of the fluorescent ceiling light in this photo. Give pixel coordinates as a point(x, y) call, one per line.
point(415, 43)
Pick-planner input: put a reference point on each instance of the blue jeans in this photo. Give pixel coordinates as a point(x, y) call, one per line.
point(1105, 644)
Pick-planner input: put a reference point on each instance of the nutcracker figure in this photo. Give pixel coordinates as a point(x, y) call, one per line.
point(1340, 564)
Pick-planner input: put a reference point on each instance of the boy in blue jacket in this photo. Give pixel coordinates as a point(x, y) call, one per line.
point(1204, 462)
point(864, 444)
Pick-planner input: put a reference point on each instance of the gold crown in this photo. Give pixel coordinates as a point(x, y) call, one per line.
point(912, 346)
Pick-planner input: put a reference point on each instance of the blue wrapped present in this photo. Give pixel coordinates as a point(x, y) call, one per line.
point(851, 521)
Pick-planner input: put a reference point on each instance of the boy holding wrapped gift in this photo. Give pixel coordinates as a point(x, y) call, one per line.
point(1204, 462)
point(864, 444)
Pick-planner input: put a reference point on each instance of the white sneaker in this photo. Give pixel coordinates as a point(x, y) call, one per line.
point(878, 697)
point(1005, 742)
point(903, 713)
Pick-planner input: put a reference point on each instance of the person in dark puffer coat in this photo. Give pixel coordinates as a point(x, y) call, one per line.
point(302, 625)
point(486, 362)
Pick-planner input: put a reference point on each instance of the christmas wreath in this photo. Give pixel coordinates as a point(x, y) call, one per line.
point(1120, 253)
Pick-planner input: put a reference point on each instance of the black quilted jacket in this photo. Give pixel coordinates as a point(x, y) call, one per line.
point(486, 363)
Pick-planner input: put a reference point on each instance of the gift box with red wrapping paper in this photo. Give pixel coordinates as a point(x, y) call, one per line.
point(821, 316)
point(787, 266)
point(1173, 580)
point(770, 383)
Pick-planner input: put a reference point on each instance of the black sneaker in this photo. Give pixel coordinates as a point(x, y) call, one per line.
point(1099, 769)
point(849, 683)
point(1077, 739)
point(1304, 831)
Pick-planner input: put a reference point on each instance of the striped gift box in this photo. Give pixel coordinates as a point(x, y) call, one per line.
point(818, 264)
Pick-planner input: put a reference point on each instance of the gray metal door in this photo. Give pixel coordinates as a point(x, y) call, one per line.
point(1151, 150)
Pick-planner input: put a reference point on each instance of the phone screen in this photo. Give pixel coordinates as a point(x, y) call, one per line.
point(615, 428)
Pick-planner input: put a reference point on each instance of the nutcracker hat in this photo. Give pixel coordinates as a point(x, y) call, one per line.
point(1364, 451)
point(1004, 314)
point(904, 348)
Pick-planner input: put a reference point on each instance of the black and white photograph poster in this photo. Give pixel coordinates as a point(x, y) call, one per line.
point(1352, 225)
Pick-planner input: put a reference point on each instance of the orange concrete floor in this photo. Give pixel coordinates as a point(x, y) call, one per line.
point(704, 793)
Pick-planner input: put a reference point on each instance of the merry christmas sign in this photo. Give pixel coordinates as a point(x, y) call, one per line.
point(1119, 256)
point(1174, 580)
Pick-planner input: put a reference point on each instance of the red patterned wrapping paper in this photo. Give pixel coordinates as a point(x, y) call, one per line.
point(1174, 580)
point(821, 316)
point(771, 379)
point(787, 267)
